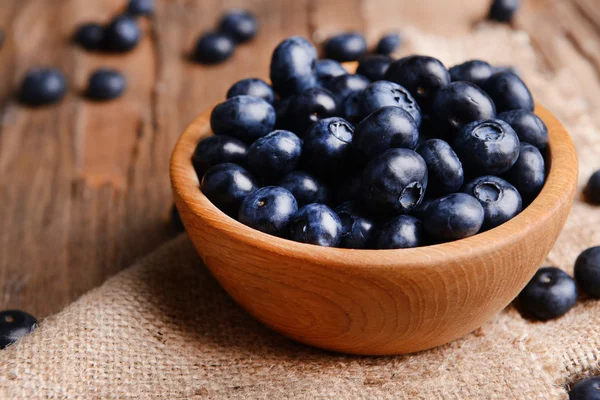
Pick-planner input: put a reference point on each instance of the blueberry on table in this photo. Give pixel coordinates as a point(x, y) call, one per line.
point(357, 228)
point(383, 93)
point(316, 224)
point(445, 171)
point(90, 36)
point(227, 185)
point(592, 189)
point(528, 174)
point(394, 182)
point(106, 84)
point(587, 271)
point(587, 389)
point(388, 44)
point(474, 71)
point(346, 47)
point(252, 87)
point(503, 10)
point(528, 126)
point(455, 216)
point(176, 221)
point(293, 66)
point(401, 232)
point(272, 156)
point(509, 92)
point(244, 117)
point(215, 150)
point(488, 147)
point(122, 34)
point(374, 66)
point(345, 85)
point(549, 294)
point(305, 187)
point(327, 69)
point(500, 200)
point(306, 108)
point(140, 7)
point(269, 210)
point(42, 86)
point(213, 48)
point(328, 147)
point(458, 104)
point(241, 25)
point(14, 325)
point(423, 76)
point(384, 129)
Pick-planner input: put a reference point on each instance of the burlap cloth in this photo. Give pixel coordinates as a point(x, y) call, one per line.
point(165, 329)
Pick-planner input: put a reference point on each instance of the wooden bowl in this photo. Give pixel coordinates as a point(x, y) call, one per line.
point(376, 302)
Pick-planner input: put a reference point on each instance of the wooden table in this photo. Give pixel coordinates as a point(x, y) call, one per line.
point(84, 187)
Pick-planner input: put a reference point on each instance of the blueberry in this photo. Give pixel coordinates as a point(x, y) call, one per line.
point(474, 71)
point(503, 10)
point(90, 36)
point(176, 221)
point(293, 66)
point(587, 271)
point(327, 69)
point(357, 228)
point(42, 86)
point(307, 108)
point(509, 92)
point(226, 185)
point(140, 7)
point(350, 107)
point(388, 44)
point(268, 210)
point(374, 67)
point(384, 129)
point(328, 146)
point(241, 25)
point(455, 216)
point(213, 48)
point(394, 182)
point(244, 117)
point(528, 174)
point(345, 85)
point(14, 325)
point(445, 171)
point(549, 294)
point(348, 188)
point(420, 210)
point(305, 188)
point(501, 201)
point(122, 34)
point(592, 189)
point(252, 87)
point(528, 126)
point(106, 84)
point(587, 389)
point(346, 47)
point(421, 75)
point(487, 147)
point(458, 104)
point(218, 150)
point(272, 156)
point(316, 224)
point(401, 232)
point(383, 93)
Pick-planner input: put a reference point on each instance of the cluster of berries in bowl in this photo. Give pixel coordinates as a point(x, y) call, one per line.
point(402, 153)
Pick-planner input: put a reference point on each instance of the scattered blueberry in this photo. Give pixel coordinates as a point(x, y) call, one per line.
point(445, 171)
point(400, 232)
point(345, 85)
point(268, 210)
point(213, 48)
point(455, 216)
point(509, 92)
point(293, 66)
point(348, 188)
point(592, 189)
point(587, 271)
point(383, 93)
point(306, 108)
point(316, 224)
point(346, 47)
point(501, 201)
point(528, 126)
point(106, 84)
point(122, 34)
point(218, 150)
point(503, 10)
point(90, 36)
point(474, 71)
point(15, 324)
point(272, 156)
point(328, 146)
point(374, 67)
point(388, 44)
point(140, 7)
point(226, 185)
point(243, 117)
point(42, 86)
point(549, 294)
point(586, 389)
point(528, 174)
point(252, 87)
point(305, 188)
point(357, 229)
point(241, 25)
point(176, 221)
point(327, 69)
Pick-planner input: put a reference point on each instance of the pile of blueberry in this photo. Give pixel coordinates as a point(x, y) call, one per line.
point(403, 153)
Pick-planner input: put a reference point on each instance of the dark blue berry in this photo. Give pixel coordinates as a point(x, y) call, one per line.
point(445, 171)
point(268, 210)
point(383, 93)
point(346, 47)
point(122, 34)
point(500, 200)
point(218, 150)
point(306, 108)
point(503, 10)
point(305, 188)
point(587, 389)
point(213, 48)
point(374, 67)
point(420, 210)
point(528, 174)
point(328, 146)
point(176, 221)
point(357, 228)
point(509, 92)
point(140, 7)
point(350, 107)
point(348, 188)
point(487, 147)
point(587, 271)
point(252, 87)
point(394, 182)
point(327, 69)
point(106, 84)
point(455, 216)
point(592, 189)
point(226, 185)
point(346, 85)
point(549, 294)
point(400, 232)
point(244, 117)
point(90, 36)
point(528, 126)
point(316, 224)
point(474, 71)
point(388, 44)
point(241, 25)
point(272, 156)
point(293, 66)
point(384, 129)
point(42, 86)
point(14, 325)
